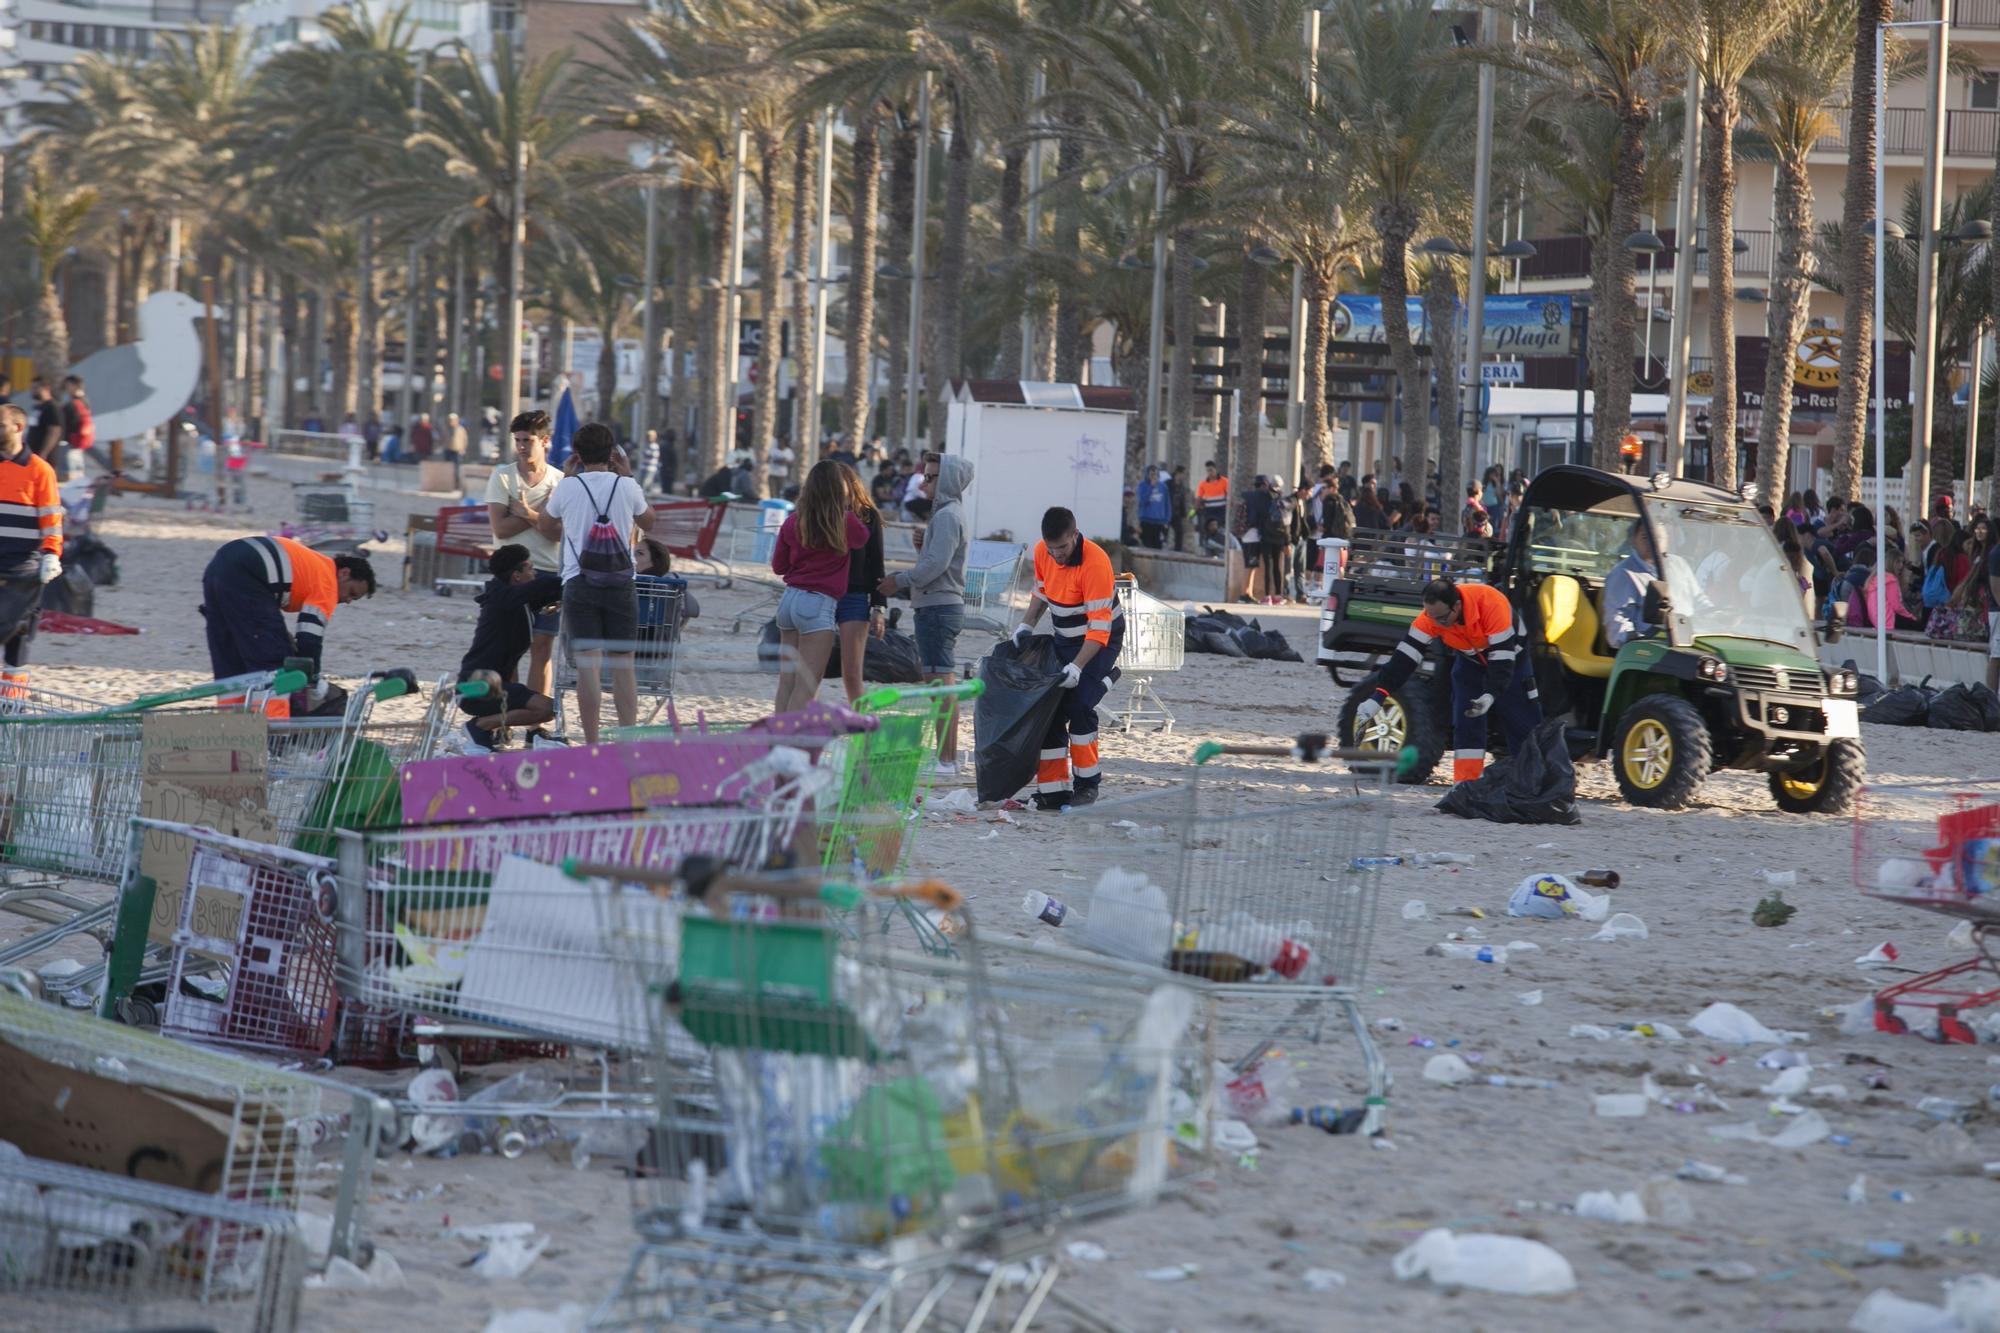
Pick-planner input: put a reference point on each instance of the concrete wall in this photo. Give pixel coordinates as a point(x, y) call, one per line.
point(1174, 577)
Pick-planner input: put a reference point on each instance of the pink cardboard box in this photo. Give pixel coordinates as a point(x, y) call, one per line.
point(582, 779)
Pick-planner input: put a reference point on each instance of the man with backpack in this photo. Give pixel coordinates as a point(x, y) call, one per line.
point(592, 516)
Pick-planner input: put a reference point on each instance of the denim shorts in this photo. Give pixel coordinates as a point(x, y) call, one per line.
point(804, 611)
point(937, 639)
point(548, 622)
point(851, 607)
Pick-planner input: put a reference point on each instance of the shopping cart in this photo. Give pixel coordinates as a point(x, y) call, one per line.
point(870, 823)
point(477, 924)
point(109, 1097)
point(1155, 641)
point(688, 529)
point(654, 651)
point(1936, 848)
point(100, 1251)
point(883, 1138)
point(332, 518)
point(1259, 894)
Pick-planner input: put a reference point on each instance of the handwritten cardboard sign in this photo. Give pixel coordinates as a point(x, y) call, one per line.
point(205, 769)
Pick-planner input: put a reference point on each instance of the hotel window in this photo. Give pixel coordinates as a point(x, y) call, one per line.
point(1983, 91)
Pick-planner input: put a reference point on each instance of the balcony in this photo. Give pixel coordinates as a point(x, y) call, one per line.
point(1973, 15)
point(1568, 257)
point(1900, 133)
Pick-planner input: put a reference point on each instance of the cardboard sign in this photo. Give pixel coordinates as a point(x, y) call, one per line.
point(206, 769)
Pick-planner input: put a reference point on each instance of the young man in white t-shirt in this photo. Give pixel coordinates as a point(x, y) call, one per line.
point(515, 496)
point(600, 610)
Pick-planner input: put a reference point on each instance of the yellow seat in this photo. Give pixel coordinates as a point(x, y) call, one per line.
point(1570, 623)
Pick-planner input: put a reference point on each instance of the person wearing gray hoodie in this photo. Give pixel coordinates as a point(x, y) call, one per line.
point(936, 585)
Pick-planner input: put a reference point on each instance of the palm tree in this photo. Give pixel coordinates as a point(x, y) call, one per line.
point(1609, 53)
point(1721, 40)
point(1403, 113)
point(51, 219)
point(1788, 98)
point(1857, 256)
point(584, 285)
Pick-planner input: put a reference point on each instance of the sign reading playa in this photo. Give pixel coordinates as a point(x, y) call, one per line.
point(1515, 325)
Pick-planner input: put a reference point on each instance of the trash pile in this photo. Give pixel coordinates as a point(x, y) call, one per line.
point(1226, 634)
point(1959, 707)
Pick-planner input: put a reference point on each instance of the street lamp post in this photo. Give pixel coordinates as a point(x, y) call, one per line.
point(823, 269)
point(1921, 423)
point(913, 372)
point(1680, 337)
point(403, 395)
point(1926, 302)
point(1156, 325)
point(1649, 244)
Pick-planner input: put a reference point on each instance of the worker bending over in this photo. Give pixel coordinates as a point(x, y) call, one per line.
point(253, 582)
point(1073, 579)
point(1478, 624)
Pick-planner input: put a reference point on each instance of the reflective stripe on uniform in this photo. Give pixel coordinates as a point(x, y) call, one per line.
point(1476, 752)
point(1410, 651)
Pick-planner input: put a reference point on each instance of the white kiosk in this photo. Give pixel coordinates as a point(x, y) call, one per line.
point(1034, 445)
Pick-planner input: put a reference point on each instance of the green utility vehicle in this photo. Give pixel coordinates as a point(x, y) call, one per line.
point(1730, 678)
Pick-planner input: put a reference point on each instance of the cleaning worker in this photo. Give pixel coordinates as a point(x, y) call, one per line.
point(31, 541)
point(1073, 579)
point(1211, 496)
point(1490, 671)
point(250, 584)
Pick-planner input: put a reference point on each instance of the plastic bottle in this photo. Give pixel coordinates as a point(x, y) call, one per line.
point(1517, 1081)
point(1943, 1108)
point(1370, 862)
point(1479, 953)
point(1247, 937)
point(1128, 918)
point(1330, 1118)
point(1040, 907)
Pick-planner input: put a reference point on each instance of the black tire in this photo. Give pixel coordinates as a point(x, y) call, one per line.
point(1826, 786)
point(1422, 727)
point(1672, 731)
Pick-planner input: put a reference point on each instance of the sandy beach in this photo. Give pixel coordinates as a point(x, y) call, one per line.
point(1474, 1158)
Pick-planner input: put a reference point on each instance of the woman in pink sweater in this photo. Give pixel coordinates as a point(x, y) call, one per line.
point(811, 556)
point(1866, 609)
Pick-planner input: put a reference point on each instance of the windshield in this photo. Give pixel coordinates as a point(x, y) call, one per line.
point(1563, 541)
point(1726, 575)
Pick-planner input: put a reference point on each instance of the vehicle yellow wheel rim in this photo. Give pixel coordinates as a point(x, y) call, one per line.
point(1649, 753)
point(1806, 782)
point(1385, 731)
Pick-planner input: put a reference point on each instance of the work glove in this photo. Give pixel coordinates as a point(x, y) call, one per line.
point(1021, 633)
point(317, 691)
point(1366, 712)
point(51, 567)
point(1479, 706)
point(1072, 676)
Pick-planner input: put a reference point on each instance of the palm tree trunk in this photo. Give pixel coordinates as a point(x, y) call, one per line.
point(1395, 224)
point(1720, 108)
point(1180, 370)
point(48, 333)
point(1252, 313)
point(1791, 214)
point(255, 312)
point(1620, 311)
point(1316, 445)
point(346, 348)
point(313, 355)
point(607, 377)
point(1048, 329)
point(1066, 339)
point(1013, 228)
point(371, 330)
point(1857, 256)
point(1441, 313)
point(865, 193)
point(1597, 347)
point(947, 322)
point(681, 387)
point(764, 399)
point(1128, 362)
point(289, 323)
point(805, 204)
point(896, 296)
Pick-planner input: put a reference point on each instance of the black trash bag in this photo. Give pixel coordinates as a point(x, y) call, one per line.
point(771, 661)
point(889, 660)
point(1964, 708)
point(1224, 619)
point(94, 558)
point(72, 594)
point(1904, 706)
point(1023, 692)
point(1278, 650)
point(1536, 786)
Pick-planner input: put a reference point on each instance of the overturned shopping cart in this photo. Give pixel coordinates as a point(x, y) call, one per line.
point(1257, 892)
point(1936, 848)
point(884, 1138)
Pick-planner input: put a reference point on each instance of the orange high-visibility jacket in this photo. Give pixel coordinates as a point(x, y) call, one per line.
point(304, 582)
point(1487, 632)
point(31, 512)
point(1082, 598)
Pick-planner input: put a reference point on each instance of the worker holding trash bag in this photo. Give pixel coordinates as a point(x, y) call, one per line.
point(1074, 580)
point(1489, 672)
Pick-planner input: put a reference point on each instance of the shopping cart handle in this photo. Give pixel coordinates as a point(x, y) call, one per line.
point(889, 694)
point(393, 683)
point(289, 682)
point(1311, 747)
point(473, 689)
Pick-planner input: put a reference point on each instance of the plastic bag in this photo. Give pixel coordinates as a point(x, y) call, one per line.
point(1904, 706)
point(1023, 692)
point(1536, 786)
point(1510, 1265)
point(1554, 897)
point(1965, 708)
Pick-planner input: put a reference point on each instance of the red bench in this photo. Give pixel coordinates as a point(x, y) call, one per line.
point(464, 531)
